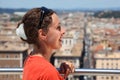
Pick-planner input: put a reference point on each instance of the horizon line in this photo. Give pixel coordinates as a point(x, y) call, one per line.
point(118, 8)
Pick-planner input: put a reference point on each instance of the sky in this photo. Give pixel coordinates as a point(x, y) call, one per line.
point(60, 4)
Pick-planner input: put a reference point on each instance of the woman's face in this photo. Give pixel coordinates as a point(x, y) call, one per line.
point(55, 33)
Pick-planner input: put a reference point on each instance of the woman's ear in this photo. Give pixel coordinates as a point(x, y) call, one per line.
point(42, 34)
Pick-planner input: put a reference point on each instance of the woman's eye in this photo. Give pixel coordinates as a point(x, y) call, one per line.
point(59, 28)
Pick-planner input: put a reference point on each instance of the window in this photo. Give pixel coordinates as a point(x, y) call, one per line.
point(16, 56)
point(119, 48)
point(7, 56)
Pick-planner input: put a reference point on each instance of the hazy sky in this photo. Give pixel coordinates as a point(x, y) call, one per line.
point(60, 4)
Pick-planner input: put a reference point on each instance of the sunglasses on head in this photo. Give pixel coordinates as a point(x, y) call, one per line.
point(44, 11)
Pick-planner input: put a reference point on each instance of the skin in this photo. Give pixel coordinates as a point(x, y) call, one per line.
point(55, 33)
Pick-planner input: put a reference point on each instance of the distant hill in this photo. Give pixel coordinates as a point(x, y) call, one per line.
point(107, 14)
point(10, 11)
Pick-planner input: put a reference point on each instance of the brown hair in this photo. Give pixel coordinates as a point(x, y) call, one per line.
point(31, 21)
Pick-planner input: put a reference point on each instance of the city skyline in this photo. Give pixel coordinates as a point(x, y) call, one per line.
point(67, 4)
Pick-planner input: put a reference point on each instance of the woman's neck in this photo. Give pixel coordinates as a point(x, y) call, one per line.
point(43, 52)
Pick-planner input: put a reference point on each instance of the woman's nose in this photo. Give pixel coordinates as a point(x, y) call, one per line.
point(63, 30)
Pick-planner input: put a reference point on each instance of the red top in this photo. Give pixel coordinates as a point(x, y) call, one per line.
point(37, 68)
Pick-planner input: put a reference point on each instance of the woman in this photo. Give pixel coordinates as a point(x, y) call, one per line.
point(41, 27)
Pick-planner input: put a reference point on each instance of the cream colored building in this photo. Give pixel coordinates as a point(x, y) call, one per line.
point(109, 60)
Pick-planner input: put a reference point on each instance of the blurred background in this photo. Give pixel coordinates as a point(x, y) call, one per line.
point(92, 39)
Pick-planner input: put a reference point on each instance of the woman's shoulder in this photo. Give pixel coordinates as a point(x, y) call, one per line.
point(38, 62)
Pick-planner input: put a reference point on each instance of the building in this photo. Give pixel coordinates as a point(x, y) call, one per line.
point(107, 54)
point(109, 61)
point(12, 52)
point(12, 59)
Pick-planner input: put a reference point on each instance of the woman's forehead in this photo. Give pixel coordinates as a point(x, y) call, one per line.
point(55, 19)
